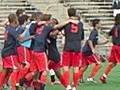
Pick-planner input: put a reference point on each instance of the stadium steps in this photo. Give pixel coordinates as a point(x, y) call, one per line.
point(91, 10)
point(10, 6)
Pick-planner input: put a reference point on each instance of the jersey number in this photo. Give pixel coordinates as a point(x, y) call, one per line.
point(39, 30)
point(74, 28)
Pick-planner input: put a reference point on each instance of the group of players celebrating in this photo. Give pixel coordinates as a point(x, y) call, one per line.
point(30, 50)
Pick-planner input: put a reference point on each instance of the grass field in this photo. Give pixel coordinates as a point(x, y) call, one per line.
point(112, 84)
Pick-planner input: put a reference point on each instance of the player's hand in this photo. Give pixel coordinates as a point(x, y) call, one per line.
point(74, 21)
point(32, 36)
point(41, 22)
point(93, 51)
point(106, 41)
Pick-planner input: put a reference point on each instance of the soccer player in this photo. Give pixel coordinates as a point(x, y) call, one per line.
point(74, 33)
point(114, 57)
point(23, 51)
point(9, 53)
point(53, 53)
point(20, 12)
point(39, 60)
point(88, 52)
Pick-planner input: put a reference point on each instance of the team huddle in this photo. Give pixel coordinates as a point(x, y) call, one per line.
point(30, 50)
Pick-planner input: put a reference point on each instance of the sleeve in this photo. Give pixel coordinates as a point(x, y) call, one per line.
point(62, 28)
point(92, 36)
point(14, 34)
point(32, 29)
point(20, 30)
point(110, 33)
point(50, 28)
point(82, 37)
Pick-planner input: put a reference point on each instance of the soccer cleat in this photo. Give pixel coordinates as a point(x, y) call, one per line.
point(91, 80)
point(103, 79)
point(18, 87)
point(55, 83)
point(42, 87)
point(82, 81)
point(22, 81)
point(68, 87)
point(6, 86)
point(74, 88)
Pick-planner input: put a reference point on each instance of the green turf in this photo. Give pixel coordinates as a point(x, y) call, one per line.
point(113, 81)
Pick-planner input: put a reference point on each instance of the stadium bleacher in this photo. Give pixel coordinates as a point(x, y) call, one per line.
point(91, 10)
point(87, 9)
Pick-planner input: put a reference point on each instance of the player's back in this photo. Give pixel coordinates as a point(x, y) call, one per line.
point(73, 36)
point(115, 32)
point(10, 43)
point(41, 36)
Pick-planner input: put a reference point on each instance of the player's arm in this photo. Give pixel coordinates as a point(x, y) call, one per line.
point(41, 22)
point(104, 42)
point(82, 35)
point(90, 41)
point(18, 38)
point(62, 24)
point(2, 24)
point(91, 45)
point(22, 39)
point(54, 32)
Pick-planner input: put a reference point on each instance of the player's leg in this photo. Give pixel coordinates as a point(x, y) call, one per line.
point(42, 66)
point(76, 63)
point(43, 80)
point(94, 71)
point(24, 57)
point(23, 71)
point(81, 73)
point(113, 60)
point(109, 67)
point(66, 64)
point(33, 69)
point(83, 66)
point(4, 74)
point(6, 84)
point(14, 74)
point(13, 82)
point(55, 70)
point(52, 76)
point(93, 59)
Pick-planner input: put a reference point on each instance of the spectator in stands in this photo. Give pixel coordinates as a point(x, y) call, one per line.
point(116, 7)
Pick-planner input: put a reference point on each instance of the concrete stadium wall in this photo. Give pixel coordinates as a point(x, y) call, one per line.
point(85, 0)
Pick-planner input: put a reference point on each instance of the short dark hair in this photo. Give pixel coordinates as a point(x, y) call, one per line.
point(19, 11)
point(22, 19)
point(55, 20)
point(45, 17)
point(117, 19)
point(95, 21)
point(71, 12)
point(78, 17)
point(35, 15)
point(12, 17)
